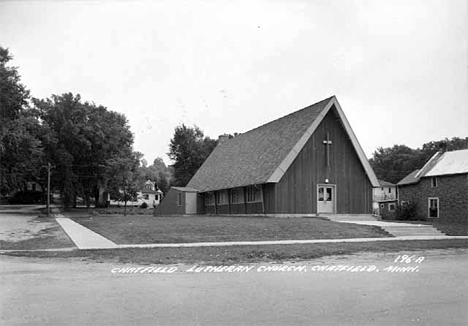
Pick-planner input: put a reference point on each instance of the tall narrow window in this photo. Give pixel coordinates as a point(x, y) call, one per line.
point(179, 199)
point(222, 198)
point(433, 207)
point(434, 182)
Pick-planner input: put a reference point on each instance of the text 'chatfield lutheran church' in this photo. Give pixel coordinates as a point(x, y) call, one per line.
point(308, 162)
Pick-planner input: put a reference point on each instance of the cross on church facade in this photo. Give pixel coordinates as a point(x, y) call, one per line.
point(327, 142)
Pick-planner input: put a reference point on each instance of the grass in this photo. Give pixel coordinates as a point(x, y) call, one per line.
point(244, 254)
point(143, 229)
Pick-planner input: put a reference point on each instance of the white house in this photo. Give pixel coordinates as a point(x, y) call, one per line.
point(384, 199)
point(150, 195)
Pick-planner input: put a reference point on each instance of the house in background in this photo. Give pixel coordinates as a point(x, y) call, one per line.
point(385, 200)
point(440, 188)
point(306, 163)
point(33, 186)
point(149, 194)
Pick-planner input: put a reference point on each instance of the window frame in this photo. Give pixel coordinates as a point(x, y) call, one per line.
point(254, 194)
point(434, 182)
point(222, 198)
point(179, 199)
point(238, 194)
point(429, 207)
point(393, 205)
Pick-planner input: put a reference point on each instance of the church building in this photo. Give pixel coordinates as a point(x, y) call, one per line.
point(306, 163)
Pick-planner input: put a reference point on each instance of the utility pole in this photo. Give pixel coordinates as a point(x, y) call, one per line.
point(49, 167)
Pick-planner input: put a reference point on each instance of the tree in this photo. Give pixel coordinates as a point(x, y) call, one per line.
point(394, 163)
point(21, 152)
point(188, 148)
point(87, 139)
point(124, 184)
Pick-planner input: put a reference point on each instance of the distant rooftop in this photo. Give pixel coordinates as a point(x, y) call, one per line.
point(447, 163)
point(384, 183)
point(409, 179)
point(454, 162)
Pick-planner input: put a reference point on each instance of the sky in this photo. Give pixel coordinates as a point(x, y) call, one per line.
point(398, 68)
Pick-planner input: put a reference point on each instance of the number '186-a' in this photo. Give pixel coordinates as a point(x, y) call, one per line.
point(409, 259)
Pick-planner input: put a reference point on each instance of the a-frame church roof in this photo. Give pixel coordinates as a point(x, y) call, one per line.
point(263, 154)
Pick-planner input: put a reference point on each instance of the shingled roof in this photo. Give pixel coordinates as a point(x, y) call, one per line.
point(263, 154)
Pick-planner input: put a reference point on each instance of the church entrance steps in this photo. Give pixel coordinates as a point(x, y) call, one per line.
point(402, 229)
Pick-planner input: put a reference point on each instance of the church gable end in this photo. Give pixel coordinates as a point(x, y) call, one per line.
point(327, 165)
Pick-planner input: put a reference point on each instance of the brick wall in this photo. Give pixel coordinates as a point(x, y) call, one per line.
point(452, 192)
point(385, 212)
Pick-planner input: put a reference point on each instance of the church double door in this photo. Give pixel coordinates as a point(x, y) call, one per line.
point(326, 199)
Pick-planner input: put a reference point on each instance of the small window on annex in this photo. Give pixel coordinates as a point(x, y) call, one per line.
point(434, 182)
point(179, 199)
point(391, 207)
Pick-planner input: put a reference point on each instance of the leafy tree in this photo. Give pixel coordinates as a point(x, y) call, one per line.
point(21, 152)
point(124, 184)
point(188, 148)
point(87, 139)
point(394, 163)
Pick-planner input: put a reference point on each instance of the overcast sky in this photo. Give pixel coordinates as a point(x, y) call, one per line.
point(398, 68)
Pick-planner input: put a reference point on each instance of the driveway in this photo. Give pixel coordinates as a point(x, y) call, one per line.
point(21, 222)
point(23, 227)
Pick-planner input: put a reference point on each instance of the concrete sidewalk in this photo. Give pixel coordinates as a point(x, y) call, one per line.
point(83, 237)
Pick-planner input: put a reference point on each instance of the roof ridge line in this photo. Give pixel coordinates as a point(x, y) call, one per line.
point(287, 115)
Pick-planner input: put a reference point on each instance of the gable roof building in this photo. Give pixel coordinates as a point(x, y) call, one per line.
point(440, 188)
point(293, 165)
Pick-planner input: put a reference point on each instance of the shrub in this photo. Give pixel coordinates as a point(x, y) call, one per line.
point(408, 212)
point(144, 205)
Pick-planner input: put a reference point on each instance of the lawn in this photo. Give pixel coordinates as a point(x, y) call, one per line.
point(244, 254)
point(145, 229)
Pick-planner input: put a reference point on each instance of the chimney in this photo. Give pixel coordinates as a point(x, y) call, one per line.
point(222, 138)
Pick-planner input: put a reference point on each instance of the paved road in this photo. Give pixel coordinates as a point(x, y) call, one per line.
point(74, 292)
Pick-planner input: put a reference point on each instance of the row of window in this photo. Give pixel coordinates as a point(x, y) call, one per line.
point(252, 195)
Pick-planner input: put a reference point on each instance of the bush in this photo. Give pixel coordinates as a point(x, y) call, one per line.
point(408, 212)
point(144, 205)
